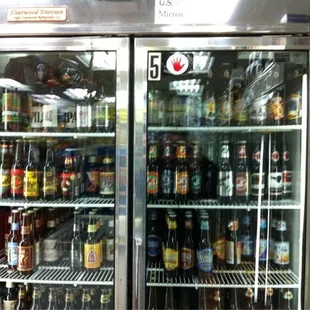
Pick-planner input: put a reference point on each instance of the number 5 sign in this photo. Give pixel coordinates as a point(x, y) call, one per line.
point(154, 67)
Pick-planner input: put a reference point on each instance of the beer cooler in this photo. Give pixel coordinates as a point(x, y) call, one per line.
point(220, 172)
point(64, 154)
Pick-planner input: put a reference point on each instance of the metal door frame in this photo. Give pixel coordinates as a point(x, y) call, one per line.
point(142, 47)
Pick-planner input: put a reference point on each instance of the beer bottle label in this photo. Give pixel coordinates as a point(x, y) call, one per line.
point(219, 249)
point(92, 255)
point(50, 252)
point(50, 116)
point(86, 298)
point(11, 107)
point(12, 253)
point(225, 112)
point(210, 109)
point(69, 298)
point(5, 181)
point(31, 184)
point(196, 182)
point(25, 258)
point(187, 258)
point(226, 184)
point(50, 182)
point(258, 112)
point(109, 249)
point(242, 184)
point(68, 117)
point(287, 181)
point(247, 245)
point(166, 181)
point(282, 253)
point(152, 182)
point(105, 299)
point(68, 182)
point(76, 254)
point(171, 259)
point(9, 304)
point(275, 108)
point(181, 181)
point(276, 184)
point(262, 249)
point(153, 245)
point(239, 111)
point(192, 114)
point(107, 183)
point(92, 181)
point(294, 107)
point(230, 252)
point(288, 295)
point(257, 182)
point(82, 116)
point(205, 259)
point(36, 117)
point(17, 181)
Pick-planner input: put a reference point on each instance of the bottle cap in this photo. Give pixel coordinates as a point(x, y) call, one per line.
point(9, 284)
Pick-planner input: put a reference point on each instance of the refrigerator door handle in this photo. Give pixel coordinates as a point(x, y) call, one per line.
point(138, 246)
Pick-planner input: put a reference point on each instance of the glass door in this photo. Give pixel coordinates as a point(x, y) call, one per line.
point(224, 174)
point(63, 175)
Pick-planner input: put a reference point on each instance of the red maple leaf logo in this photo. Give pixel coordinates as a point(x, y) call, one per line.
point(177, 64)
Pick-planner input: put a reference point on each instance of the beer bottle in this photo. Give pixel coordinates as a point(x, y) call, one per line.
point(209, 108)
point(37, 237)
point(52, 299)
point(167, 172)
point(10, 299)
point(281, 246)
point(84, 115)
point(153, 172)
point(17, 172)
point(225, 111)
point(169, 299)
point(31, 175)
point(68, 177)
point(92, 177)
point(233, 245)
point(69, 299)
point(269, 302)
point(233, 299)
point(210, 171)
point(107, 177)
point(110, 242)
point(242, 174)
point(50, 117)
point(13, 241)
point(287, 173)
point(204, 251)
point(92, 247)
point(195, 180)
point(5, 171)
point(105, 299)
point(181, 183)
point(11, 110)
point(275, 176)
point(248, 301)
point(171, 249)
point(286, 300)
point(36, 116)
point(22, 303)
point(86, 300)
point(76, 245)
point(25, 248)
point(247, 238)
point(36, 299)
point(153, 240)
point(219, 240)
point(49, 173)
point(31, 214)
point(276, 109)
point(263, 241)
point(257, 179)
point(152, 299)
point(187, 250)
point(60, 297)
point(225, 178)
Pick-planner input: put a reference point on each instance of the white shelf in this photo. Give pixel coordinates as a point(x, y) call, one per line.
point(73, 135)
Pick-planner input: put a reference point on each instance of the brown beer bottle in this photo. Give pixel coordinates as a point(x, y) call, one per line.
point(248, 301)
point(5, 171)
point(22, 303)
point(107, 177)
point(17, 172)
point(167, 172)
point(10, 299)
point(181, 184)
point(195, 180)
point(32, 173)
point(25, 248)
point(13, 241)
point(233, 245)
point(153, 172)
point(36, 299)
point(49, 173)
point(219, 240)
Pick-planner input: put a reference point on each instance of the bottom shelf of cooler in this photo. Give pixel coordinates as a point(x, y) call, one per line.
point(244, 276)
point(60, 274)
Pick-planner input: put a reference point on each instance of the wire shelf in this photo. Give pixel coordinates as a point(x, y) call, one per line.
point(73, 135)
point(242, 277)
point(214, 204)
point(77, 203)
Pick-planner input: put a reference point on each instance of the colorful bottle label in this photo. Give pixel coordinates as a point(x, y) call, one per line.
point(210, 109)
point(247, 245)
point(181, 182)
point(17, 181)
point(25, 258)
point(166, 181)
point(68, 183)
point(242, 184)
point(11, 107)
point(31, 184)
point(257, 182)
point(225, 111)
point(262, 249)
point(68, 117)
point(5, 181)
point(12, 253)
point(153, 245)
point(50, 252)
point(240, 111)
point(205, 259)
point(231, 252)
point(50, 182)
point(152, 182)
point(259, 111)
point(187, 258)
point(219, 249)
point(92, 255)
point(294, 104)
point(107, 183)
point(287, 181)
point(50, 117)
point(92, 181)
point(276, 184)
point(171, 259)
point(282, 253)
point(225, 184)
point(275, 108)
point(196, 182)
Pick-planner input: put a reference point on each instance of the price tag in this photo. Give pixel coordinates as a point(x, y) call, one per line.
point(154, 67)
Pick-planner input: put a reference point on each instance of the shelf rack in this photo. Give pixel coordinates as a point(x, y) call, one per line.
point(214, 204)
point(243, 277)
point(82, 202)
point(219, 129)
point(74, 135)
